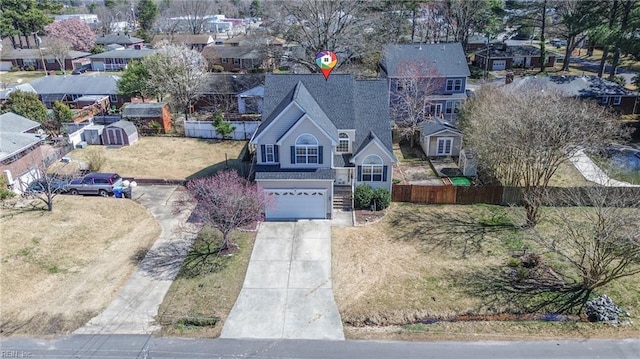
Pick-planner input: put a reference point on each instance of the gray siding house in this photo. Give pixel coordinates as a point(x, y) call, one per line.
point(318, 137)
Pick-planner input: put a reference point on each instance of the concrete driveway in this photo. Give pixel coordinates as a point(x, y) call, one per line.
point(287, 291)
point(134, 309)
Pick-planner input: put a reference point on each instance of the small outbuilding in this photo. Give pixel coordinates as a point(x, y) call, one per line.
point(121, 133)
point(438, 138)
point(144, 115)
point(92, 134)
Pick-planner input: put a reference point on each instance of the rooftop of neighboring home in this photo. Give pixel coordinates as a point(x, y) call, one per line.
point(232, 84)
point(123, 54)
point(14, 54)
point(118, 38)
point(341, 102)
point(435, 60)
point(13, 136)
point(184, 39)
point(86, 85)
point(504, 51)
point(581, 86)
point(4, 94)
point(11, 122)
point(254, 41)
point(143, 110)
point(230, 52)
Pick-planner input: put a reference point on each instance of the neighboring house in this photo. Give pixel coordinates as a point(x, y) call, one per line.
point(34, 58)
point(321, 137)
point(4, 94)
point(476, 42)
point(144, 114)
point(503, 57)
point(234, 58)
point(440, 69)
point(127, 41)
point(20, 150)
point(116, 60)
point(440, 139)
point(121, 133)
point(221, 93)
point(254, 41)
point(67, 89)
point(193, 42)
point(251, 101)
point(605, 92)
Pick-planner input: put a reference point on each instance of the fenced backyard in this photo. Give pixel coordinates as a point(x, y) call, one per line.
point(205, 129)
point(499, 195)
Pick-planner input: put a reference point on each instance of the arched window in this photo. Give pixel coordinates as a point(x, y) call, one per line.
point(343, 142)
point(372, 169)
point(306, 149)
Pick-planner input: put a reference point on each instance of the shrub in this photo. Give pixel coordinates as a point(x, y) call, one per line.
point(362, 196)
point(96, 160)
point(217, 68)
point(620, 80)
point(5, 192)
point(381, 199)
point(30, 68)
point(15, 68)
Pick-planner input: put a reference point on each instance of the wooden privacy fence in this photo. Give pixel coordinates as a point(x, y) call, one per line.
point(506, 195)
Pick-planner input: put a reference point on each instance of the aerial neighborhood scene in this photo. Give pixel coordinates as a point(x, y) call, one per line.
point(347, 177)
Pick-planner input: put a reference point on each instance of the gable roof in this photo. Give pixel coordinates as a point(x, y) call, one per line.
point(14, 54)
point(143, 110)
point(432, 127)
point(230, 52)
point(123, 54)
point(187, 39)
point(361, 105)
point(4, 94)
point(128, 127)
point(15, 142)
point(445, 59)
point(11, 122)
point(118, 38)
point(231, 84)
point(86, 85)
point(579, 86)
point(257, 91)
point(502, 51)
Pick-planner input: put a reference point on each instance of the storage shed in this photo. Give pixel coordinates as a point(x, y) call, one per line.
point(92, 134)
point(144, 114)
point(121, 133)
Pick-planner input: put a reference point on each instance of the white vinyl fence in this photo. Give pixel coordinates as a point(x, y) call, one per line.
point(204, 129)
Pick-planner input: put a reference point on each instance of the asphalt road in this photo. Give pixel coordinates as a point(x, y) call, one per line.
point(143, 346)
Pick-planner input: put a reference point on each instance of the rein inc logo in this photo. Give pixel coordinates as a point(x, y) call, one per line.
point(326, 61)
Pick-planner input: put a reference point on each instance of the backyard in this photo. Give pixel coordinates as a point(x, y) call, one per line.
point(171, 158)
point(61, 268)
point(421, 264)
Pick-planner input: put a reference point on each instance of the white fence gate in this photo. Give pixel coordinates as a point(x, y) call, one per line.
point(204, 129)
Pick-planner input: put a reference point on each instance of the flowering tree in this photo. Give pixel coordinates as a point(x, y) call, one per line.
point(227, 202)
point(75, 32)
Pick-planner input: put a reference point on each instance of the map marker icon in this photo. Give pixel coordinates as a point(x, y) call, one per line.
point(326, 61)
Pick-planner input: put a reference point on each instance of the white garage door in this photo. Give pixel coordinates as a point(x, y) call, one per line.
point(499, 65)
point(297, 204)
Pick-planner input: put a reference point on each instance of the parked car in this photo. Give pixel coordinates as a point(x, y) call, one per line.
point(79, 70)
point(95, 183)
point(43, 185)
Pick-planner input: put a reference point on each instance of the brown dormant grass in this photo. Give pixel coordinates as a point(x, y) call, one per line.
point(174, 158)
point(60, 268)
point(411, 264)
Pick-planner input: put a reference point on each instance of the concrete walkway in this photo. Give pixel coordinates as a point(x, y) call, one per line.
point(133, 311)
point(287, 290)
point(342, 218)
point(591, 172)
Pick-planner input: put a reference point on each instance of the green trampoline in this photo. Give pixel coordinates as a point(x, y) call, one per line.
point(460, 181)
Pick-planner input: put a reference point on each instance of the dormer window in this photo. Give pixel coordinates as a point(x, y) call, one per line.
point(306, 149)
point(343, 143)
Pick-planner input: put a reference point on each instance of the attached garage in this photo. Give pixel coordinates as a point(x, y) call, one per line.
point(499, 65)
point(297, 204)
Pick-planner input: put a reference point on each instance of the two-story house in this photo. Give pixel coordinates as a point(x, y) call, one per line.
point(320, 137)
point(440, 69)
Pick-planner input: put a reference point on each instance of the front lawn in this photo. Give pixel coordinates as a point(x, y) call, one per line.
point(425, 263)
point(59, 269)
point(172, 158)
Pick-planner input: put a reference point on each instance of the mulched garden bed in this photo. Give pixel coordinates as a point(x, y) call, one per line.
point(364, 217)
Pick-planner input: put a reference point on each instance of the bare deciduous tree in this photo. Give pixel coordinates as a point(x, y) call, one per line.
point(179, 72)
point(59, 49)
point(523, 134)
point(193, 12)
point(51, 182)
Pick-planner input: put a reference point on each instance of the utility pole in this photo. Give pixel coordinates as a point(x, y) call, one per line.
point(39, 41)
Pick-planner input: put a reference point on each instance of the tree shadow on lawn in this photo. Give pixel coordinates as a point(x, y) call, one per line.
point(164, 262)
point(458, 231)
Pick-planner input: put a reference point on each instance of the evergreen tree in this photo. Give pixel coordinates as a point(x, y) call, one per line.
point(26, 104)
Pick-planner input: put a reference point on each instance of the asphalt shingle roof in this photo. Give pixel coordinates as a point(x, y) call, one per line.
point(443, 60)
point(142, 110)
point(121, 39)
point(264, 172)
point(128, 127)
point(13, 142)
point(230, 52)
point(512, 51)
point(123, 54)
point(14, 54)
point(86, 85)
point(11, 122)
point(431, 127)
point(361, 105)
point(231, 84)
point(580, 86)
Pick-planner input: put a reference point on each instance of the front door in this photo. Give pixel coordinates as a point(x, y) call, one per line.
point(343, 177)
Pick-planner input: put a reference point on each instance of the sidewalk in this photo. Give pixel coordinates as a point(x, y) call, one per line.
point(591, 172)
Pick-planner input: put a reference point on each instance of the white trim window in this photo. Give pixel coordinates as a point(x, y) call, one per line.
point(617, 100)
point(603, 100)
point(223, 60)
point(343, 143)
point(454, 85)
point(306, 149)
point(236, 61)
point(372, 167)
point(113, 98)
point(451, 107)
point(444, 146)
point(269, 154)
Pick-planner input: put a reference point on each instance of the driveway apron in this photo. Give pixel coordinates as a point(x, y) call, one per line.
point(134, 309)
point(287, 292)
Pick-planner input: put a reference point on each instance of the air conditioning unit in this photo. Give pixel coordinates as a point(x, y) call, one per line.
point(468, 163)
